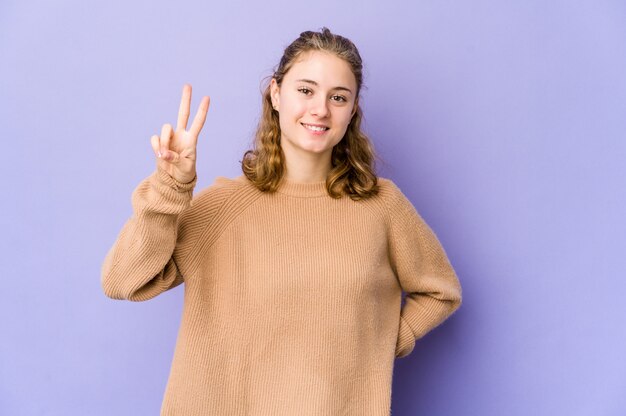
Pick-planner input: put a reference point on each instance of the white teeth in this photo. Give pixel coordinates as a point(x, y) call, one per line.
point(315, 128)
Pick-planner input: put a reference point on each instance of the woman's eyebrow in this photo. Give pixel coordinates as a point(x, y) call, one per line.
point(309, 81)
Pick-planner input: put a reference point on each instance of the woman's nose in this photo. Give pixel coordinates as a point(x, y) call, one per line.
point(319, 107)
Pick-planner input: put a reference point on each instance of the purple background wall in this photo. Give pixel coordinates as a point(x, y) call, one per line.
point(503, 123)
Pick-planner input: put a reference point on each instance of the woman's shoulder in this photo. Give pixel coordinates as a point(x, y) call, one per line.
point(225, 185)
point(385, 203)
point(389, 191)
point(223, 189)
point(386, 184)
point(392, 198)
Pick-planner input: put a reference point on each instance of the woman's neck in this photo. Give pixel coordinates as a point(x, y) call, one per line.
point(307, 168)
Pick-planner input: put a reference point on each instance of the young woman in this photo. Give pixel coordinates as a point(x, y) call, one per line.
point(294, 271)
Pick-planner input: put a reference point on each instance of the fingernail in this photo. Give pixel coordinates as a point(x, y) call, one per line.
point(159, 154)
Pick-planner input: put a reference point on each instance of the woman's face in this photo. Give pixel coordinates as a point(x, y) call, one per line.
point(315, 102)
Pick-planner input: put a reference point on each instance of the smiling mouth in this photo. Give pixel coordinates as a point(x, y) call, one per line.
point(314, 128)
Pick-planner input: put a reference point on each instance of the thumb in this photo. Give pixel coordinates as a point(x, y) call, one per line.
point(171, 156)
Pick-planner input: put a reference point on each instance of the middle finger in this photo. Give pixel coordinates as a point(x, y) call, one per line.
point(183, 110)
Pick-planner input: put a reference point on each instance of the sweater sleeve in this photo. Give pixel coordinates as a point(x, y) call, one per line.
point(433, 291)
point(140, 264)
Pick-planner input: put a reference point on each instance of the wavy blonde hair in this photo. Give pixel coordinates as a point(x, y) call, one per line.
point(352, 159)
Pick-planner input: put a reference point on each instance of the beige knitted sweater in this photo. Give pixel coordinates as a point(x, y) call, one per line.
point(292, 300)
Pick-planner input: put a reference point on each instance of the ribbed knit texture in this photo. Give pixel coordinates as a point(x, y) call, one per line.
point(292, 300)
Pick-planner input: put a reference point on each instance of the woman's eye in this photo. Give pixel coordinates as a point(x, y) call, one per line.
point(339, 98)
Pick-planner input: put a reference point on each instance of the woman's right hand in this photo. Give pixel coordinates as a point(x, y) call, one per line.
point(176, 149)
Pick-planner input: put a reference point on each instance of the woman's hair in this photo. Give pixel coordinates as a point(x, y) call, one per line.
point(352, 159)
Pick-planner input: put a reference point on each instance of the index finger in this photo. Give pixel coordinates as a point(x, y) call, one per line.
point(200, 117)
point(183, 109)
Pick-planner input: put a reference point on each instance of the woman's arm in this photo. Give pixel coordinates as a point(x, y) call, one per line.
point(433, 291)
point(141, 265)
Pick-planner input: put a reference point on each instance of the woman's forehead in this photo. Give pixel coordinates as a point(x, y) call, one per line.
point(323, 68)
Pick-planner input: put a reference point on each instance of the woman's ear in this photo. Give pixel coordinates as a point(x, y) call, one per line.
point(275, 94)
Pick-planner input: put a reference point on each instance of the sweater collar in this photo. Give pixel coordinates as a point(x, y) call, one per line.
point(302, 189)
